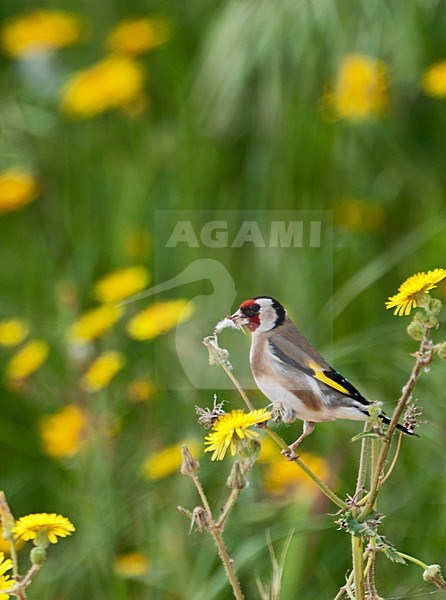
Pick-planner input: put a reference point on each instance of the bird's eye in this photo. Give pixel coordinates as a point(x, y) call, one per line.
point(255, 308)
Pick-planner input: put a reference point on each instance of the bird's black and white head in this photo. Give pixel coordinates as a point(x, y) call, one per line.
point(260, 314)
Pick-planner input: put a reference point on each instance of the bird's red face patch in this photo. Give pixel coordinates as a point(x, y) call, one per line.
point(251, 309)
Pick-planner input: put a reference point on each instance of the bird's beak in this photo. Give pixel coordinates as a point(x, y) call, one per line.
point(239, 319)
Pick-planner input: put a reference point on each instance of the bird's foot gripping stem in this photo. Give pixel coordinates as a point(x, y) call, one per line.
point(291, 452)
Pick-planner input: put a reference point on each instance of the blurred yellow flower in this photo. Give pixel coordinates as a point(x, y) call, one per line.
point(281, 476)
point(412, 292)
point(13, 331)
point(140, 390)
point(102, 370)
point(114, 82)
point(121, 284)
point(159, 318)
point(434, 80)
point(360, 90)
point(229, 429)
point(135, 36)
point(93, 323)
point(63, 432)
point(358, 215)
point(17, 189)
point(131, 564)
point(5, 581)
point(40, 30)
point(5, 548)
point(167, 461)
point(27, 360)
point(43, 527)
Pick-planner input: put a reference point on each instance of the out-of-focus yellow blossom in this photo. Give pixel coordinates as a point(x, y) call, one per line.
point(167, 461)
point(115, 82)
point(412, 292)
point(360, 90)
point(18, 188)
point(13, 331)
point(27, 360)
point(135, 36)
point(159, 318)
point(132, 564)
point(434, 80)
point(358, 215)
point(140, 390)
point(43, 526)
point(5, 581)
point(281, 476)
point(93, 323)
point(121, 284)
point(5, 547)
point(40, 30)
point(102, 370)
point(63, 432)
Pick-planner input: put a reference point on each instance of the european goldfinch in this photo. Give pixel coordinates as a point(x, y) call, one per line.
point(293, 375)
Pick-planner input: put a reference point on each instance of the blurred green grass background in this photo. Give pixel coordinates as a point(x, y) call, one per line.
point(238, 113)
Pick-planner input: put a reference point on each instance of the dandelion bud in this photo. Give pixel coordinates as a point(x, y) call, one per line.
point(251, 450)
point(217, 355)
point(441, 351)
point(199, 518)
point(189, 465)
point(416, 330)
point(434, 306)
point(433, 575)
point(38, 555)
point(237, 479)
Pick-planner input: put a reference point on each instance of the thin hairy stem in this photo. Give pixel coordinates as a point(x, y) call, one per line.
point(227, 508)
point(358, 567)
point(423, 358)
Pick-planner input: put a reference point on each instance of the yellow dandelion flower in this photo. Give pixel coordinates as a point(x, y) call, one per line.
point(131, 564)
point(5, 581)
point(159, 318)
point(114, 82)
point(360, 90)
point(94, 323)
point(280, 477)
point(412, 291)
point(167, 461)
point(231, 428)
point(135, 36)
point(121, 284)
point(63, 432)
point(40, 30)
point(18, 188)
point(43, 527)
point(356, 214)
point(102, 370)
point(27, 360)
point(13, 331)
point(140, 390)
point(434, 80)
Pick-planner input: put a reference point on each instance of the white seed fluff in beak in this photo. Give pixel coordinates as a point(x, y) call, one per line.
point(227, 323)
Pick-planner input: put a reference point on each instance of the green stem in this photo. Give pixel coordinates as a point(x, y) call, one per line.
point(358, 567)
point(414, 560)
point(320, 484)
